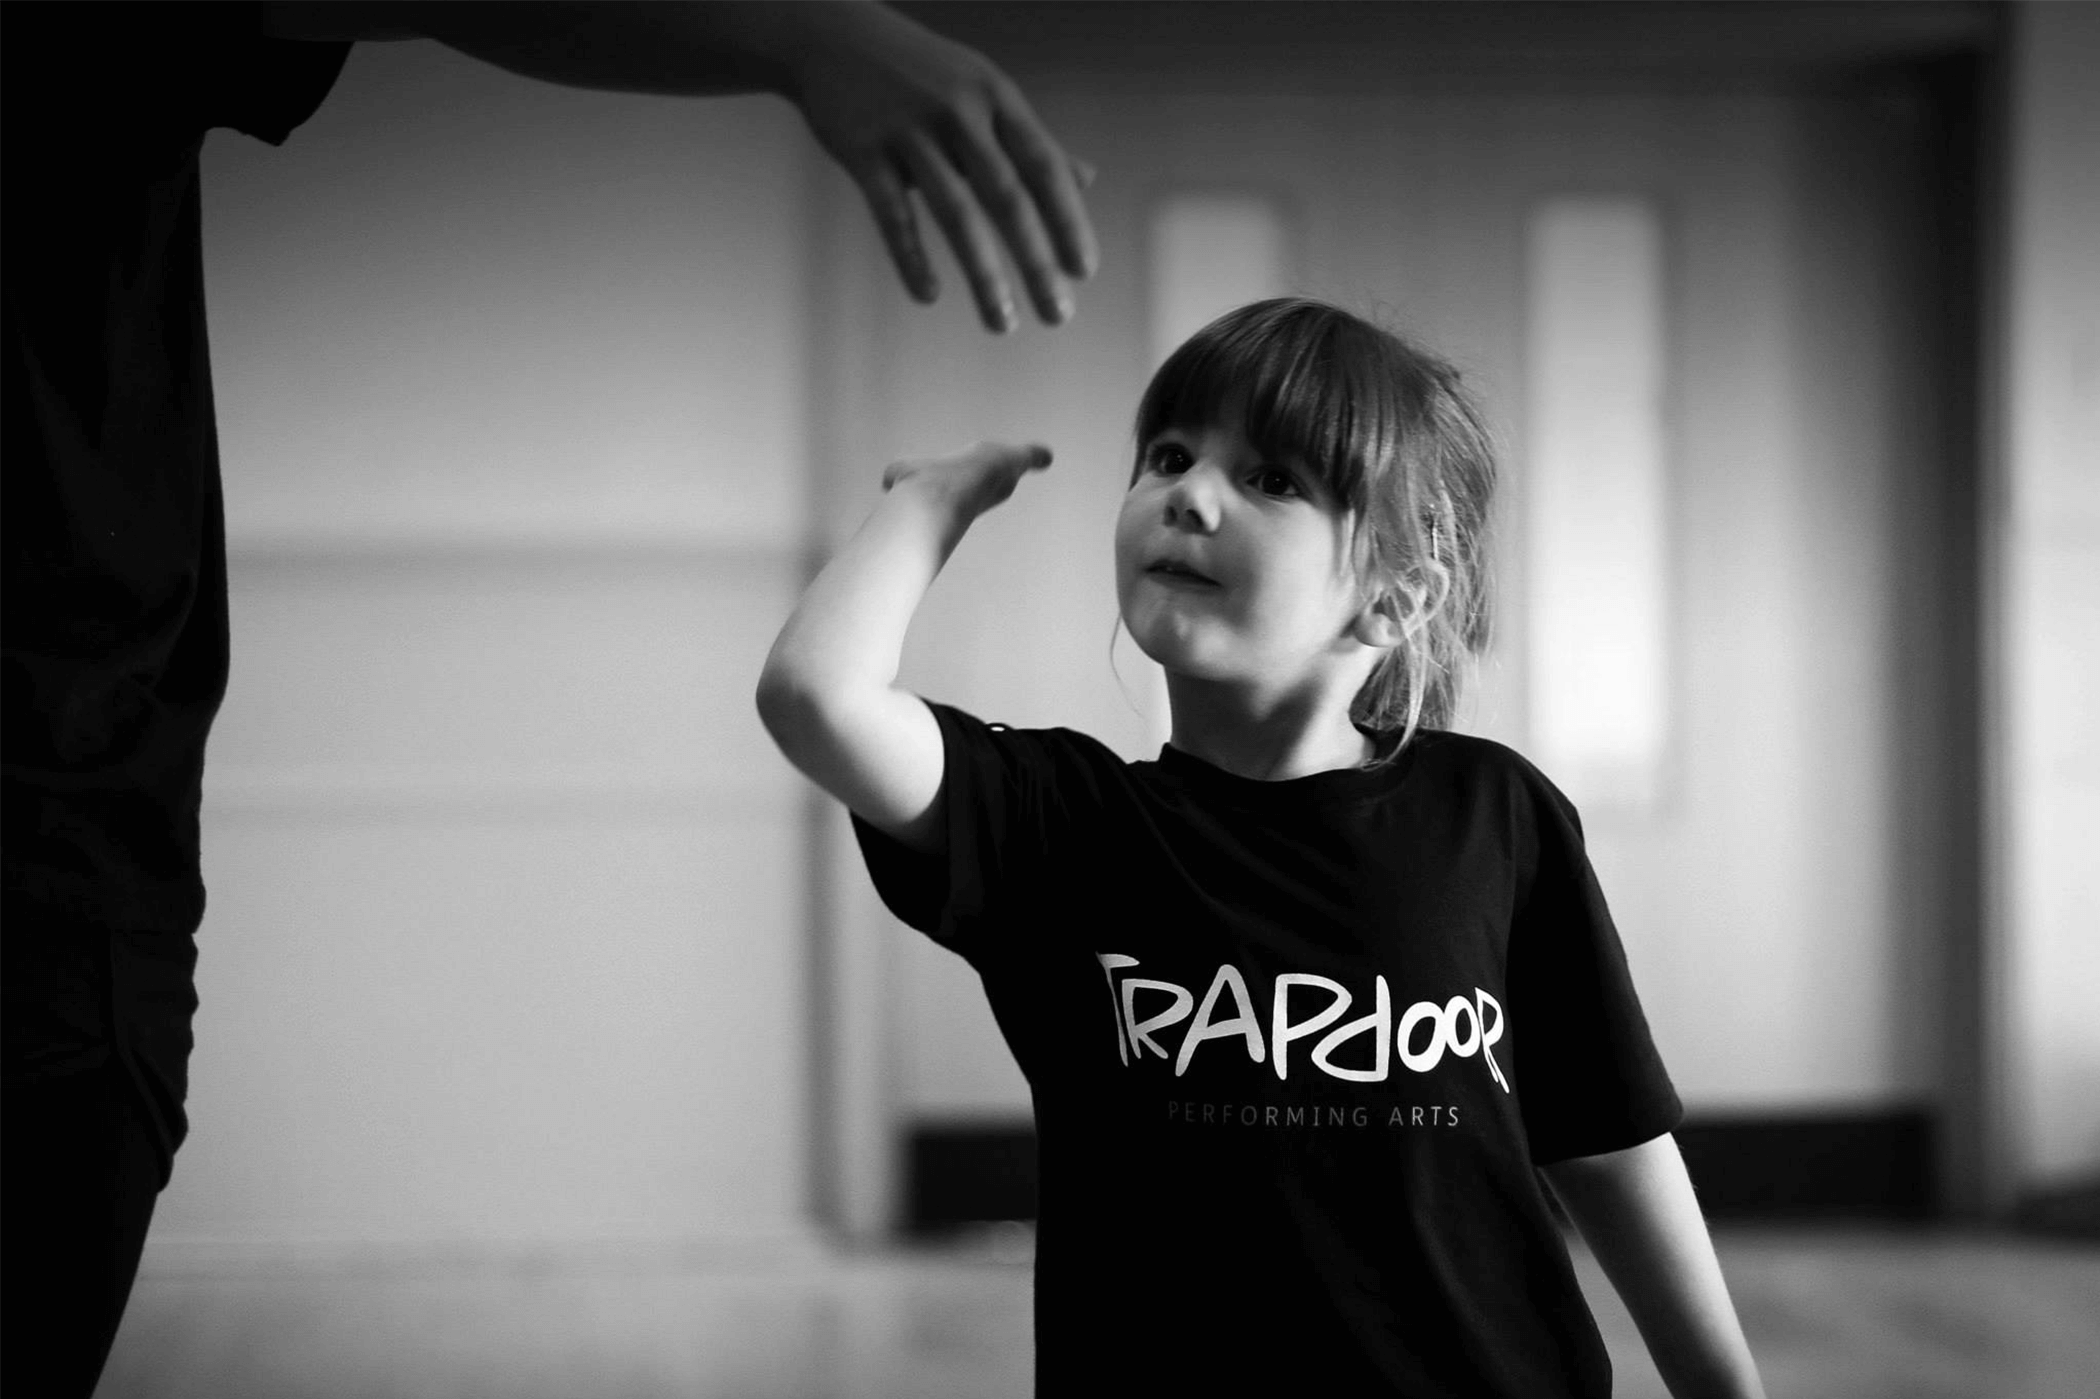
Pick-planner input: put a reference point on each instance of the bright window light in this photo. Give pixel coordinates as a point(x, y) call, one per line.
point(1594, 481)
point(1210, 253)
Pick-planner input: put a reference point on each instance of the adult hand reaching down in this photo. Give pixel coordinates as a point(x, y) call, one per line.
point(901, 109)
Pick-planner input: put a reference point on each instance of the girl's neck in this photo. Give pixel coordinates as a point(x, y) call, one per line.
point(1267, 743)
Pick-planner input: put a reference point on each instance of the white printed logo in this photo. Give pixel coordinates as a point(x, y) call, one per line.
point(1461, 1026)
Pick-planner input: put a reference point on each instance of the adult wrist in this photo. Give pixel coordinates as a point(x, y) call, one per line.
point(802, 38)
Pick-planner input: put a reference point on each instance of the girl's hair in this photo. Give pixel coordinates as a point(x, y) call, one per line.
point(1391, 434)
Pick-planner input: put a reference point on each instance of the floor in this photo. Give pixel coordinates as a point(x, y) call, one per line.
point(1856, 1314)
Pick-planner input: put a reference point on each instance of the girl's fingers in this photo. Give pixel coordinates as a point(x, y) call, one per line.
point(995, 469)
point(890, 202)
point(1016, 462)
point(948, 199)
point(980, 477)
point(1011, 458)
point(1030, 455)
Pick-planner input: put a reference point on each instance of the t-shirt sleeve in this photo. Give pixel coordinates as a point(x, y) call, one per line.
point(1016, 803)
point(268, 87)
point(244, 78)
point(1588, 1073)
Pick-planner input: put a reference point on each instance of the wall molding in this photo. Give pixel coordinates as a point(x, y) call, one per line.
point(212, 1256)
point(292, 548)
point(560, 793)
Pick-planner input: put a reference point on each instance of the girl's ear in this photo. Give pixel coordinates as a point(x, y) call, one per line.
point(1381, 622)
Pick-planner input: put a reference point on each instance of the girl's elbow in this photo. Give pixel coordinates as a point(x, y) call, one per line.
point(804, 718)
point(787, 708)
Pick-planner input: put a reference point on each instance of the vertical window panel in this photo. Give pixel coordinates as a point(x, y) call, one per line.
point(1210, 253)
point(1598, 570)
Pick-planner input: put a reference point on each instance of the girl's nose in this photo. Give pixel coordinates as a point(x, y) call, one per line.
point(1192, 501)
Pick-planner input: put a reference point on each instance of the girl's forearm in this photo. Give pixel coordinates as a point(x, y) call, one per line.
point(846, 636)
point(829, 693)
point(1637, 1211)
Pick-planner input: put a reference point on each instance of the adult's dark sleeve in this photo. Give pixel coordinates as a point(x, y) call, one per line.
point(1589, 1077)
point(152, 78)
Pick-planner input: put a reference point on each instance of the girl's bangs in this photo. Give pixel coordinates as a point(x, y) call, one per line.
point(1302, 394)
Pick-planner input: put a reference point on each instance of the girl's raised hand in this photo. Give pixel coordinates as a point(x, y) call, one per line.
point(973, 480)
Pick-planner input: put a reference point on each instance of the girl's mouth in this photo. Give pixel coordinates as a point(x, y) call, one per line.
point(1178, 573)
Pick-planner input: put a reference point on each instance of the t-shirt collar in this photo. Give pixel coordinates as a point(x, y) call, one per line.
point(1334, 787)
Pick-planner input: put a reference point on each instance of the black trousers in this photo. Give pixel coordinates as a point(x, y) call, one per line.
point(97, 1035)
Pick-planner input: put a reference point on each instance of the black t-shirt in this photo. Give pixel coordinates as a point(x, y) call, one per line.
point(1295, 1049)
point(115, 600)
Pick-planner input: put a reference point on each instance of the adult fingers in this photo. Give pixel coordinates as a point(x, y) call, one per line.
point(890, 202)
point(1053, 179)
point(948, 199)
point(1012, 206)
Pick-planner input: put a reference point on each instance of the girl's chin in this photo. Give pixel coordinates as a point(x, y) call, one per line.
point(1186, 641)
point(1179, 658)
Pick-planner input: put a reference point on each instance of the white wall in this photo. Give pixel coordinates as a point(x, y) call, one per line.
point(507, 929)
point(2048, 538)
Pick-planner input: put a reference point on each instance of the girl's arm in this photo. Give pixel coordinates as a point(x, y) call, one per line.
point(829, 695)
point(1637, 1212)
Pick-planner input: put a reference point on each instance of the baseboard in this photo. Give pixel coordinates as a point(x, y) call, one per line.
point(1872, 1164)
point(957, 1175)
point(1868, 1164)
point(2065, 1209)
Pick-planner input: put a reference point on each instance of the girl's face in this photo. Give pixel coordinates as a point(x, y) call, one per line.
point(1232, 567)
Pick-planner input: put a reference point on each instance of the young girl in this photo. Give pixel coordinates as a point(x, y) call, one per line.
point(1304, 1002)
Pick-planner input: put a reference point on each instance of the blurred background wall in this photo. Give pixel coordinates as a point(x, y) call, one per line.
point(507, 934)
point(537, 406)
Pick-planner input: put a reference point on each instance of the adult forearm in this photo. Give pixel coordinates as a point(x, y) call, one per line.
point(846, 636)
point(1637, 1211)
point(692, 48)
point(898, 107)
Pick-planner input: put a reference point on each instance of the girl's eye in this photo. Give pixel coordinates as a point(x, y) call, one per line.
point(1275, 481)
point(1169, 458)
